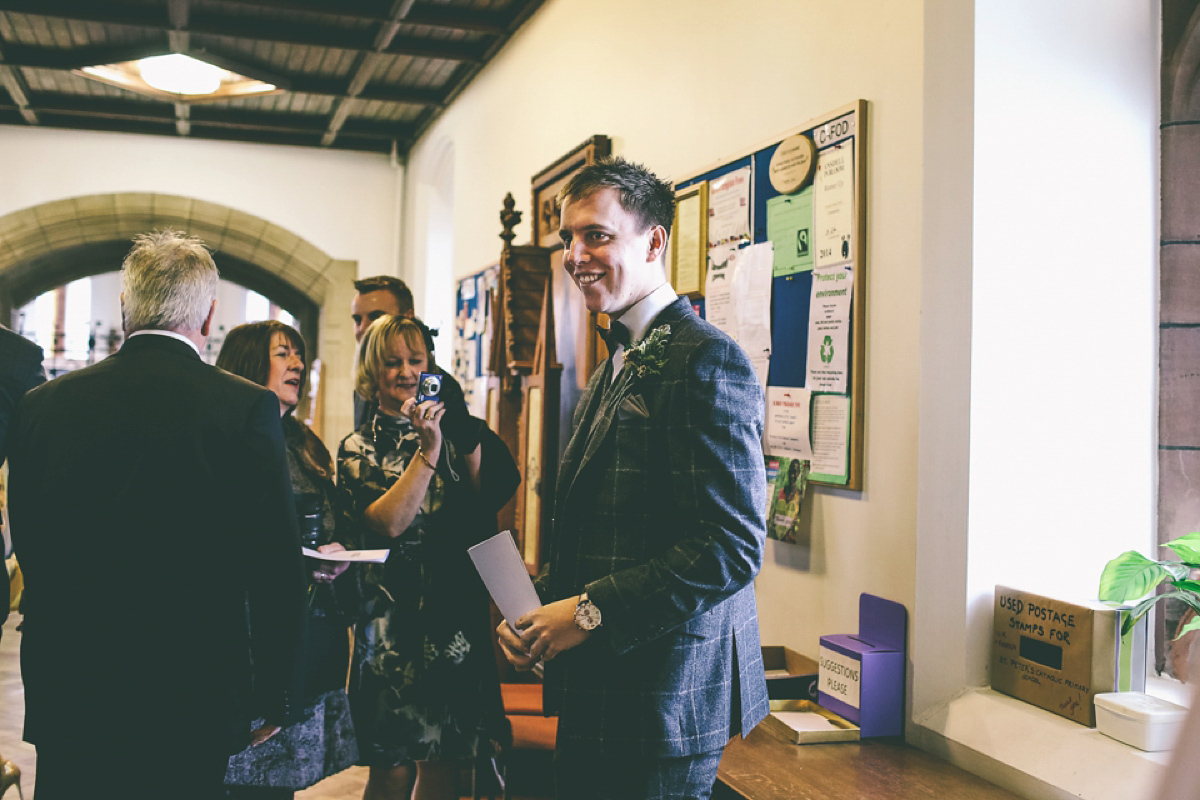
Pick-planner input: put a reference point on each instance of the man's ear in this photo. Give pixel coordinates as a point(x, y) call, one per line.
point(410, 314)
point(206, 326)
point(658, 243)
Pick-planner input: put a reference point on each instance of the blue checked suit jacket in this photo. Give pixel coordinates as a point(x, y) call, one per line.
point(662, 521)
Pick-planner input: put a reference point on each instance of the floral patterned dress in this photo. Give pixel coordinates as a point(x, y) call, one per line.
point(423, 683)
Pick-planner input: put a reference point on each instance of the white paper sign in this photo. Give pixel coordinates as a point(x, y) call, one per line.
point(833, 205)
point(829, 329)
point(752, 298)
point(787, 422)
point(729, 207)
point(830, 435)
point(718, 294)
point(839, 676)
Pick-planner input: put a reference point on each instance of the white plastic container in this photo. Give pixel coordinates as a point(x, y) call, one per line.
point(1140, 720)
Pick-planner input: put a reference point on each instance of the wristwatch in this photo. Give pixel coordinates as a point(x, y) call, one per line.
point(587, 616)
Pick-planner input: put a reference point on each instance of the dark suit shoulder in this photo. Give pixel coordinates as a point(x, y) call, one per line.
point(697, 345)
point(15, 347)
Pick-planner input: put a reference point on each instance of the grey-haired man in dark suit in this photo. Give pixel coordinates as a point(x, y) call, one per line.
point(20, 371)
point(153, 516)
point(650, 631)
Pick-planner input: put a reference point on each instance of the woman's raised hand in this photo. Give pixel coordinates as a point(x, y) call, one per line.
point(426, 419)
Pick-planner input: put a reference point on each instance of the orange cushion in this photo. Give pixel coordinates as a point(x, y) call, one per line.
point(533, 733)
point(522, 698)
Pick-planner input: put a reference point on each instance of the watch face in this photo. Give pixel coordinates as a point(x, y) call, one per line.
point(587, 616)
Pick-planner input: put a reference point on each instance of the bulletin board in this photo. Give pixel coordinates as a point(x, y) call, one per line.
point(804, 191)
point(473, 321)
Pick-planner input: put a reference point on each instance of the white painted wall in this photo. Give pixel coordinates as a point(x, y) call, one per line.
point(343, 203)
point(650, 75)
point(1011, 273)
point(1061, 325)
point(1063, 347)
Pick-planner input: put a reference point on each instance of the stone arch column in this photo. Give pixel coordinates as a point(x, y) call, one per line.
point(50, 244)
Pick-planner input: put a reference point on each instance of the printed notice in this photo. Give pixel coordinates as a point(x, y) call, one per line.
point(752, 305)
point(789, 227)
point(729, 208)
point(839, 676)
point(787, 422)
point(833, 205)
point(830, 438)
point(829, 329)
point(688, 247)
point(718, 295)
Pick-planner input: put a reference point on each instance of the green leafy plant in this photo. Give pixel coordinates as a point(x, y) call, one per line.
point(1131, 576)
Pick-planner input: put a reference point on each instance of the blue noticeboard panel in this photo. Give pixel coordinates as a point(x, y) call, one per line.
point(789, 329)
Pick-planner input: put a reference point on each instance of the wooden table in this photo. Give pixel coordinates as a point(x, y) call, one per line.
point(762, 767)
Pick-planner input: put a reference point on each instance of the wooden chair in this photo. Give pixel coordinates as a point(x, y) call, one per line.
point(531, 730)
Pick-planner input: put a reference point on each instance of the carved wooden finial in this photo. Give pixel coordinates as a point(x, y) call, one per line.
point(509, 218)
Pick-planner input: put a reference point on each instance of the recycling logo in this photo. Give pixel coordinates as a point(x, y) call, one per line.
point(827, 350)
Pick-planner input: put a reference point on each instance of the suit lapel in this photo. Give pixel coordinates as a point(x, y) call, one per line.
point(590, 402)
point(602, 408)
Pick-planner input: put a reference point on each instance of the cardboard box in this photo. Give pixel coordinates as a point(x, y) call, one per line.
point(861, 677)
point(805, 722)
point(1059, 655)
point(790, 676)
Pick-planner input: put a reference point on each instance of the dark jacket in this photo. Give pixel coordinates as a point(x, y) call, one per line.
point(151, 508)
point(661, 520)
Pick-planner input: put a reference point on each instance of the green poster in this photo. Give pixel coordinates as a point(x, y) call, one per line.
point(789, 227)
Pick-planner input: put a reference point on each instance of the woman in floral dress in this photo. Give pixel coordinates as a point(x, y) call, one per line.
point(424, 688)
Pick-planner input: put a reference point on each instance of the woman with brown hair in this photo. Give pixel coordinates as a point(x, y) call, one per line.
point(322, 743)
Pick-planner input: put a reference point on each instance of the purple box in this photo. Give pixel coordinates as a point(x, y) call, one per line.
point(861, 677)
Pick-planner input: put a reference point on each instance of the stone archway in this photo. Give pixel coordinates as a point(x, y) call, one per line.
point(47, 245)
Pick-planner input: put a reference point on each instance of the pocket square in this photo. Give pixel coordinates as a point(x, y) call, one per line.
point(633, 406)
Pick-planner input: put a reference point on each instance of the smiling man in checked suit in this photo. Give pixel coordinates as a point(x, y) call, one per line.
point(650, 631)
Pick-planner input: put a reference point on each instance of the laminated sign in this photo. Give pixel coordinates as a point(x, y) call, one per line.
point(1060, 655)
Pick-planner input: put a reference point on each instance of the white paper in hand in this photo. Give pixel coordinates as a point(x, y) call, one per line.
point(504, 574)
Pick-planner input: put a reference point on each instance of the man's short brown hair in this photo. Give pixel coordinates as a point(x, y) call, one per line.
point(386, 283)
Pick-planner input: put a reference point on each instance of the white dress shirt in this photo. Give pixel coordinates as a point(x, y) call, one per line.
point(637, 319)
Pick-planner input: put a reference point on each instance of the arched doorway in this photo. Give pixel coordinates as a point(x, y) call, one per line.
point(54, 243)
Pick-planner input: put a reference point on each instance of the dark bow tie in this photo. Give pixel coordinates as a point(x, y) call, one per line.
point(613, 335)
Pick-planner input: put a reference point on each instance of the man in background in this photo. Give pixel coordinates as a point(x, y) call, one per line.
point(650, 631)
point(20, 371)
point(374, 297)
point(153, 517)
point(383, 294)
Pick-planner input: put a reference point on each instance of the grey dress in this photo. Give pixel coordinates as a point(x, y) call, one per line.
point(322, 743)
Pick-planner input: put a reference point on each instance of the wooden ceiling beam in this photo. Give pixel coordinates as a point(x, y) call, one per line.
point(364, 69)
point(69, 105)
point(79, 57)
point(232, 26)
point(180, 40)
point(18, 89)
point(165, 128)
point(457, 18)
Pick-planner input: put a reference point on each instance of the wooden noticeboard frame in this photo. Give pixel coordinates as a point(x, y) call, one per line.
point(843, 127)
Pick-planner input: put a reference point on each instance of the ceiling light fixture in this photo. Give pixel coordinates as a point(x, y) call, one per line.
point(177, 78)
point(180, 74)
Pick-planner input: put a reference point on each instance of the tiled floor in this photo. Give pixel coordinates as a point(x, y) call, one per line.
point(347, 785)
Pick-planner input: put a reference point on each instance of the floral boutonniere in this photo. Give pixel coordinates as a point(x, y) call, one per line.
point(648, 356)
